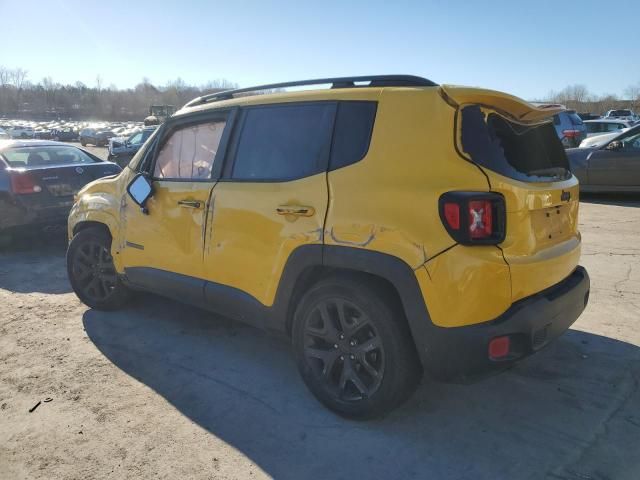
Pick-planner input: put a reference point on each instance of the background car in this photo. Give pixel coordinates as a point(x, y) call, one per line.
point(4, 135)
point(67, 134)
point(20, 131)
point(613, 166)
point(38, 180)
point(606, 125)
point(96, 137)
point(623, 113)
point(570, 128)
point(121, 150)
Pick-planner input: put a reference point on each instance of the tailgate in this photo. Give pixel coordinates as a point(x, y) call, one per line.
point(517, 147)
point(542, 244)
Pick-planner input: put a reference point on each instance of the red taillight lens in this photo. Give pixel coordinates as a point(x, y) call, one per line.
point(24, 183)
point(499, 347)
point(452, 215)
point(474, 218)
point(480, 218)
point(571, 133)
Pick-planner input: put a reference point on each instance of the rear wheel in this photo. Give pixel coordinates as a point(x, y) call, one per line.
point(83, 143)
point(353, 348)
point(92, 273)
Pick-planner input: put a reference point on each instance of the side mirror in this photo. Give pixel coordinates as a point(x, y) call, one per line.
point(615, 145)
point(140, 189)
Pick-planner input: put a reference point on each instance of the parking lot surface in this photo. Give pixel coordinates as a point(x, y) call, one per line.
point(161, 390)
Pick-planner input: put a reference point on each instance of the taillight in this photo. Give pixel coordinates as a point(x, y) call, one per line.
point(571, 133)
point(474, 218)
point(23, 183)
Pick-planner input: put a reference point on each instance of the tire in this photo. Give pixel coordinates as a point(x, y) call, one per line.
point(83, 143)
point(91, 271)
point(362, 363)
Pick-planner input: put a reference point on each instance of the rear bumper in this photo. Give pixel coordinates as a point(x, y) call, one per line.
point(462, 353)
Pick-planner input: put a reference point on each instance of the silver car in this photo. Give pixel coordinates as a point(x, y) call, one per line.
point(613, 166)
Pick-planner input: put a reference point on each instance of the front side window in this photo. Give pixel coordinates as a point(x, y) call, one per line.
point(631, 141)
point(136, 139)
point(283, 142)
point(189, 152)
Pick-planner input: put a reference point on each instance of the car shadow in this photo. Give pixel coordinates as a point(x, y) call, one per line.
point(242, 386)
point(35, 263)
point(619, 199)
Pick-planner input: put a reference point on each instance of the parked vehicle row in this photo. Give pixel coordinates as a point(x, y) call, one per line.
point(573, 128)
point(67, 130)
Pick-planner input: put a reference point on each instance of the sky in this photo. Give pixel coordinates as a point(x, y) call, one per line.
point(526, 48)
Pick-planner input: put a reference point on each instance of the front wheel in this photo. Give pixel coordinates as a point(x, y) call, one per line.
point(353, 348)
point(91, 271)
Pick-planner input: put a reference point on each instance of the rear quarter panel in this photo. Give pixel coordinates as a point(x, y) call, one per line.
point(388, 202)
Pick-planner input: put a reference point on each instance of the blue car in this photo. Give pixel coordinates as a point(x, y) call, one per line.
point(570, 128)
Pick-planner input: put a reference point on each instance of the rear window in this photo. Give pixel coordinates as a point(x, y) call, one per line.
point(531, 153)
point(575, 119)
point(34, 157)
point(284, 142)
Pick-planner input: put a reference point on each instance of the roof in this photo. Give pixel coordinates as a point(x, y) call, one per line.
point(339, 85)
point(31, 143)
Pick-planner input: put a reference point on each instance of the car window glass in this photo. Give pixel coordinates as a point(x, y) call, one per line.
point(575, 119)
point(31, 157)
point(352, 133)
point(189, 152)
point(284, 142)
point(632, 142)
point(137, 138)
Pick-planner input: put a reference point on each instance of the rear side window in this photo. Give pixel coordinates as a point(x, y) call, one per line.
point(283, 142)
point(352, 133)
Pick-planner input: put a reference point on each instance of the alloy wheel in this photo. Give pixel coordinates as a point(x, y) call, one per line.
point(94, 272)
point(343, 349)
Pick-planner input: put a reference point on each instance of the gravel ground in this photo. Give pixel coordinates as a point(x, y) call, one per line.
point(161, 390)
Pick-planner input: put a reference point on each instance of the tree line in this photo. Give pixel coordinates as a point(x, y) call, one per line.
point(47, 99)
point(578, 97)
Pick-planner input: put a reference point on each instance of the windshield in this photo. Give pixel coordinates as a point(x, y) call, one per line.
point(531, 153)
point(620, 113)
point(44, 156)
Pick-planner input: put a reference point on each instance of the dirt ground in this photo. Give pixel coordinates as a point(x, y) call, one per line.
point(161, 390)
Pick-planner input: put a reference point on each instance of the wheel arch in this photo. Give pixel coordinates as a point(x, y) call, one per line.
point(86, 224)
point(308, 264)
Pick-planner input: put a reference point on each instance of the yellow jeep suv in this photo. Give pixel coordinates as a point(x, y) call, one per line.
point(388, 225)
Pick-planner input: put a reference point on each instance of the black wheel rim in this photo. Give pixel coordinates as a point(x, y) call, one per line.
point(93, 271)
point(343, 349)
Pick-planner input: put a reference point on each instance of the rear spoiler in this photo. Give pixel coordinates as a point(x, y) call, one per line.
point(508, 105)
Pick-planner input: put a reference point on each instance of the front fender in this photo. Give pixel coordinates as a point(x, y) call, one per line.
point(99, 202)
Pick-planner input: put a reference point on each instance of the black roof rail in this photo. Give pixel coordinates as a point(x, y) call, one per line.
point(339, 82)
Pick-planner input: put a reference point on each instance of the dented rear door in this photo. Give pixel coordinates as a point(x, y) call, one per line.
point(272, 198)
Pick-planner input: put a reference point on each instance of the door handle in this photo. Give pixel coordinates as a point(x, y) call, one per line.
point(298, 210)
point(190, 203)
